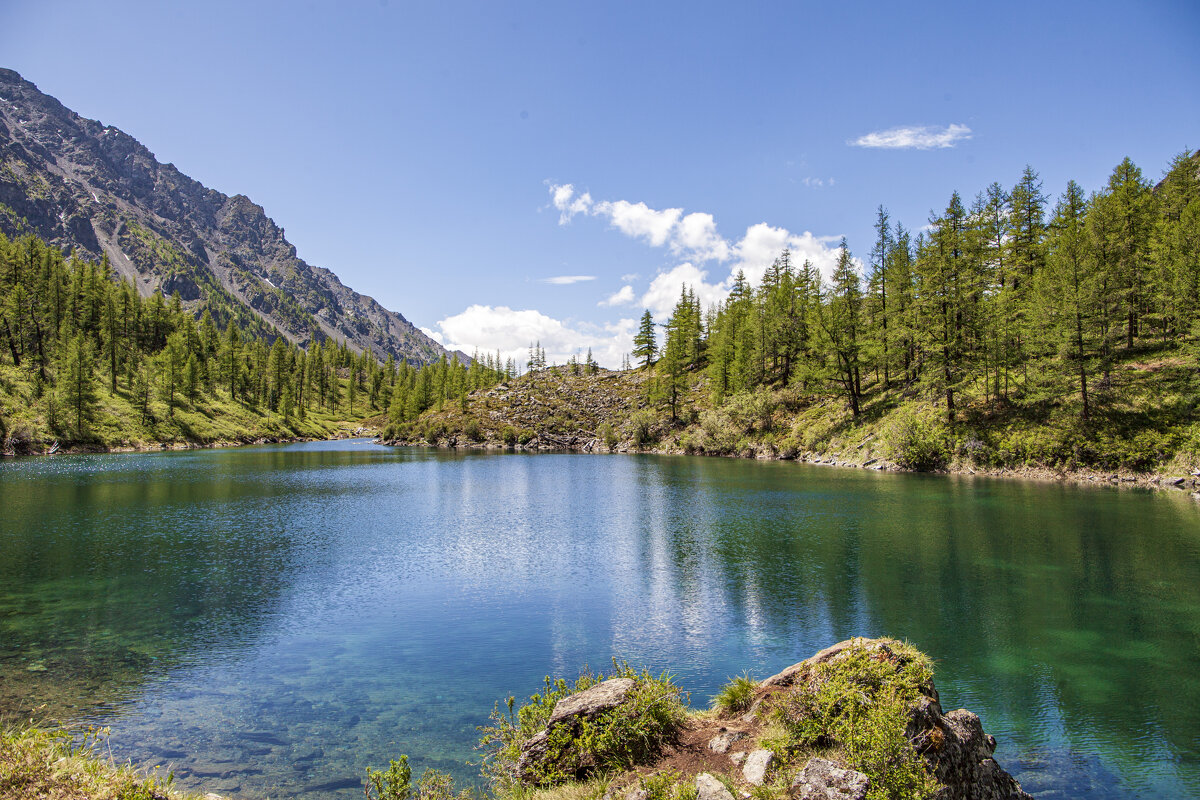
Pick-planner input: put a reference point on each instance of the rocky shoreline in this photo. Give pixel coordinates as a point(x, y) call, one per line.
point(1185, 484)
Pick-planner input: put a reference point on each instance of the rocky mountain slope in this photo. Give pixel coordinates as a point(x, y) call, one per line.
point(80, 184)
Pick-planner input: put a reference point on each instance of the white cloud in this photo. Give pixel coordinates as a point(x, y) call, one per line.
point(696, 236)
point(566, 201)
point(639, 221)
point(629, 276)
point(567, 280)
point(511, 331)
point(928, 137)
point(666, 287)
point(622, 297)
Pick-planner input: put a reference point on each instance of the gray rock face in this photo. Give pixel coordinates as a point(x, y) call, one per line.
point(570, 712)
point(959, 754)
point(823, 780)
point(80, 184)
point(709, 788)
point(757, 765)
point(590, 703)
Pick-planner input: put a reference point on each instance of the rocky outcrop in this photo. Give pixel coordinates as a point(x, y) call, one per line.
point(538, 755)
point(83, 185)
point(722, 751)
point(959, 754)
point(954, 746)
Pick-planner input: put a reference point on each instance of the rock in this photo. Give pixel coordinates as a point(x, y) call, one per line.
point(571, 711)
point(590, 703)
point(1178, 481)
point(709, 788)
point(737, 758)
point(213, 796)
point(823, 780)
point(758, 763)
point(959, 754)
point(954, 746)
point(723, 741)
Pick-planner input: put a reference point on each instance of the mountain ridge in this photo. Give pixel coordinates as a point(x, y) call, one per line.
point(83, 185)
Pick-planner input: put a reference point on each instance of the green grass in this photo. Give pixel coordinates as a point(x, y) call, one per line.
point(858, 704)
point(30, 424)
point(53, 765)
point(736, 695)
point(616, 740)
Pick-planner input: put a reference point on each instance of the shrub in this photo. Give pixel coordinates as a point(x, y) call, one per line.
point(37, 763)
point(751, 411)
point(607, 435)
point(395, 783)
point(473, 432)
point(641, 428)
point(860, 703)
point(615, 740)
point(916, 440)
point(737, 695)
point(508, 435)
point(719, 432)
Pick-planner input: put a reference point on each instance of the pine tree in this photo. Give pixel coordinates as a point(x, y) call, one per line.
point(76, 380)
point(644, 344)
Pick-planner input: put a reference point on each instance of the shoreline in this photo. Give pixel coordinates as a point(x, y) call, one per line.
point(1183, 484)
point(156, 447)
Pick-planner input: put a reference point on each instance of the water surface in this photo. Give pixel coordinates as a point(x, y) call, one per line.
point(270, 621)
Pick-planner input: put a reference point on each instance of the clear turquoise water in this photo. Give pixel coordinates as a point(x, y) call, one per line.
point(270, 621)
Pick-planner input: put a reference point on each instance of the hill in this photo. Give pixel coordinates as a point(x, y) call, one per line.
point(79, 184)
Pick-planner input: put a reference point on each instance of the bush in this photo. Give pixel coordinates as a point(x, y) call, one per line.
point(617, 739)
point(751, 411)
point(395, 783)
point(641, 428)
point(720, 434)
point(735, 696)
point(473, 432)
point(607, 435)
point(508, 435)
point(860, 703)
point(916, 439)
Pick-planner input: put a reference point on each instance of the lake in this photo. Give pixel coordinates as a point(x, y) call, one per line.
point(269, 621)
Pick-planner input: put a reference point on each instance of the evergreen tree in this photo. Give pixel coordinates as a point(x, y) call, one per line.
point(644, 344)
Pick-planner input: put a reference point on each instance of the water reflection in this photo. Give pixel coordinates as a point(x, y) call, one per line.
point(273, 620)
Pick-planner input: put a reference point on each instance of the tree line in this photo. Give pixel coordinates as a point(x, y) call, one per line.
point(1003, 299)
point(74, 332)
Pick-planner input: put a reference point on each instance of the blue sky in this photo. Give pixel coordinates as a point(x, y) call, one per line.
point(418, 150)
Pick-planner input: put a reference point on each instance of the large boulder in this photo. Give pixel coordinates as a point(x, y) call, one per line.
point(539, 753)
point(954, 746)
point(959, 754)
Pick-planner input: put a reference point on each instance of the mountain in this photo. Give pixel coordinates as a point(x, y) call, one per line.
point(78, 183)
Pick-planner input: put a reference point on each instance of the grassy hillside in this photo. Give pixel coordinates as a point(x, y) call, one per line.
point(1147, 422)
point(32, 423)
